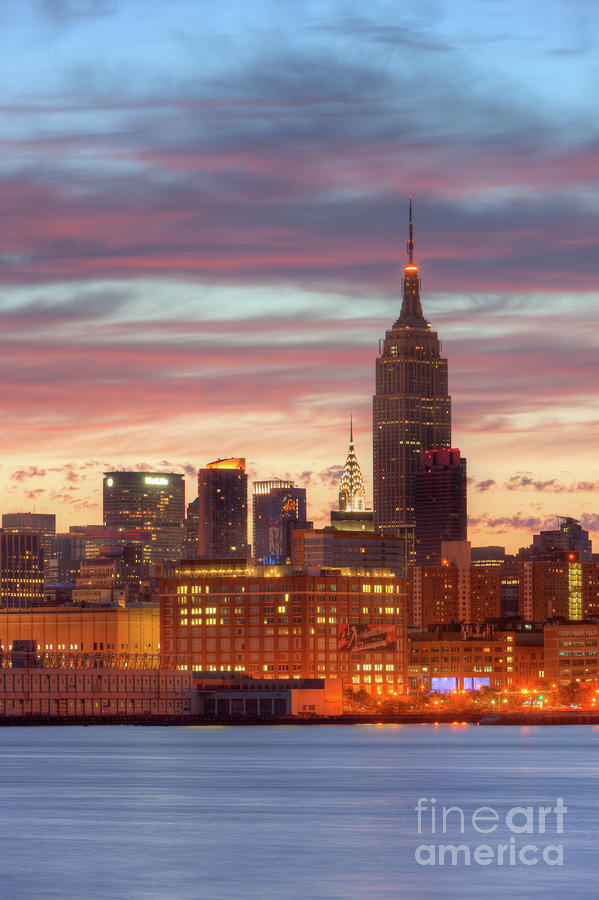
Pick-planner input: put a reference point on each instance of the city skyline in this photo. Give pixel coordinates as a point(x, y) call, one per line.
point(200, 263)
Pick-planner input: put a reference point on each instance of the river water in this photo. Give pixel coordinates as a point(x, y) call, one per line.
point(298, 812)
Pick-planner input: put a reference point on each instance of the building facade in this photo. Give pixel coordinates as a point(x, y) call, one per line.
point(147, 501)
point(571, 652)
point(43, 524)
point(134, 630)
point(433, 596)
point(440, 595)
point(285, 623)
point(471, 659)
point(113, 578)
point(224, 694)
point(564, 588)
point(278, 508)
point(439, 503)
point(332, 548)
point(69, 551)
point(88, 542)
point(223, 509)
point(352, 494)
point(352, 514)
point(191, 547)
point(568, 537)
point(485, 593)
point(73, 692)
point(411, 408)
point(458, 555)
point(21, 569)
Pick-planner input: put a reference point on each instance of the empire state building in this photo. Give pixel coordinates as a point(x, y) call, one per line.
point(411, 408)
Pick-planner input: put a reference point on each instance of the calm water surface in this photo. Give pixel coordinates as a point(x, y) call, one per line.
point(287, 812)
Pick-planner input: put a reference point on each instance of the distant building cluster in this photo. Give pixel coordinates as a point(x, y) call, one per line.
point(389, 599)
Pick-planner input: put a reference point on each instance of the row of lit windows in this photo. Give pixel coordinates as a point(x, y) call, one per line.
point(367, 679)
point(378, 667)
point(331, 588)
point(329, 609)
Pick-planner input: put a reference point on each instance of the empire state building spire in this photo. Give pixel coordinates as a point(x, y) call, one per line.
point(411, 408)
point(411, 310)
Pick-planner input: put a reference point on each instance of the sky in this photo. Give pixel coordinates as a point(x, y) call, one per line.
point(203, 234)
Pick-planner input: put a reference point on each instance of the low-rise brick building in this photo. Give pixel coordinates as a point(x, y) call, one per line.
point(287, 623)
point(571, 652)
point(470, 658)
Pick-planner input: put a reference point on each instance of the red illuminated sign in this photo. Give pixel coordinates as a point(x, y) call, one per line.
point(357, 638)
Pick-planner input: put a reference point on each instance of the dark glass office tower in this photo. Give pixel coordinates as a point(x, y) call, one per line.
point(440, 503)
point(223, 510)
point(279, 507)
point(149, 501)
point(42, 523)
point(21, 569)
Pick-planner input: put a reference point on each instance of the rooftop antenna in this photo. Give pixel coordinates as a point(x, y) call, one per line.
point(411, 237)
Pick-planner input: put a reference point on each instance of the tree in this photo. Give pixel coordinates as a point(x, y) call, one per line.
point(570, 694)
point(354, 701)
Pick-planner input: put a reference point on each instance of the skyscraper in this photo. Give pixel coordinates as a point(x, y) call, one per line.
point(439, 503)
point(21, 569)
point(278, 507)
point(352, 514)
point(223, 511)
point(42, 523)
point(352, 495)
point(190, 529)
point(148, 501)
point(411, 407)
